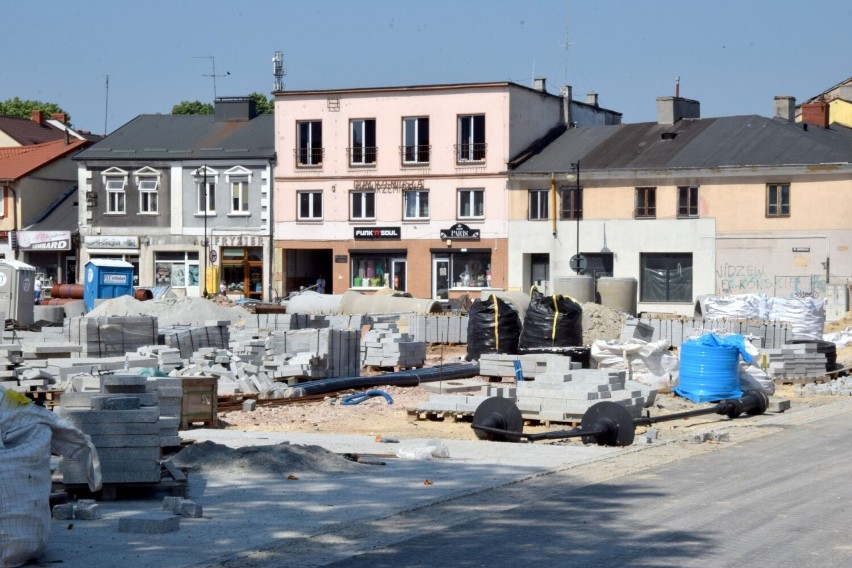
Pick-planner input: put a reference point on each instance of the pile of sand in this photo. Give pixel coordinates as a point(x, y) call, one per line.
point(601, 322)
point(172, 311)
point(279, 459)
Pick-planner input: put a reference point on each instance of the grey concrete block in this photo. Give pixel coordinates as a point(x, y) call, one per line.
point(172, 504)
point(62, 512)
point(149, 523)
point(81, 417)
point(115, 402)
point(190, 509)
point(249, 405)
point(87, 510)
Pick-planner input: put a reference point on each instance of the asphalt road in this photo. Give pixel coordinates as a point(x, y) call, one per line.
point(781, 497)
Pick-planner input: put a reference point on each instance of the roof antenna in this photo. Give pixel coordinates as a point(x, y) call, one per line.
point(106, 106)
point(677, 86)
point(214, 75)
point(278, 71)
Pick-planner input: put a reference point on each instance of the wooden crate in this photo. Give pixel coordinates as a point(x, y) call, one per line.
point(200, 401)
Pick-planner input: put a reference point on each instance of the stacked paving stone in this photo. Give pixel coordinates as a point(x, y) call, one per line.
point(565, 397)
point(190, 339)
point(168, 358)
point(65, 368)
point(842, 386)
point(762, 333)
point(451, 329)
point(11, 356)
point(795, 360)
point(385, 346)
point(503, 365)
point(110, 336)
point(338, 349)
point(123, 421)
point(287, 322)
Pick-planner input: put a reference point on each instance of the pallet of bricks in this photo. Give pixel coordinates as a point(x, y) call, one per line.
point(110, 336)
point(450, 329)
point(386, 346)
point(770, 334)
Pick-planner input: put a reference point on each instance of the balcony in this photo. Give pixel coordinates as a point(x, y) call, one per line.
point(415, 155)
point(470, 153)
point(362, 156)
point(309, 157)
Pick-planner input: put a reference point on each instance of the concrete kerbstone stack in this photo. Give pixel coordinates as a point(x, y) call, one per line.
point(385, 346)
point(532, 364)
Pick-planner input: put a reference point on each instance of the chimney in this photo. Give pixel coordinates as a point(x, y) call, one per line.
point(785, 107)
point(37, 116)
point(227, 109)
point(566, 93)
point(672, 109)
point(816, 113)
point(58, 116)
point(592, 99)
point(540, 84)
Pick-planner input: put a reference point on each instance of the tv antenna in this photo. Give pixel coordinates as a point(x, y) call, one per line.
point(278, 71)
point(106, 106)
point(213, 75)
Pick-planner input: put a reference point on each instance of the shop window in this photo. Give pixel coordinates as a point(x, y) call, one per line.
point(176, 269)
point(242, 271)
point(665, 277)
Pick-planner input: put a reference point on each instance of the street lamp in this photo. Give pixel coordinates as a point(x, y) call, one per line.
point(580, 261)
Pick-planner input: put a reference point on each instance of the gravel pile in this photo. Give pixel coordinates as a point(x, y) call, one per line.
point(172, 311)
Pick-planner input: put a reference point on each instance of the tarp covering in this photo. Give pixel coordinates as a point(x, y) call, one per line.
point(493, 327)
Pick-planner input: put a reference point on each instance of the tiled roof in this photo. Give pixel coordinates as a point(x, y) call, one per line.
point(706, 143)
point(20, 161)
point(27, 132)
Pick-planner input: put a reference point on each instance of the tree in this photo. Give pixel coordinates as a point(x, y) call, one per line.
point(24, 109)
point(263, 105)
point(192, 107)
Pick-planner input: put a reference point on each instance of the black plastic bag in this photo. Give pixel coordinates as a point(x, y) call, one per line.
point(493, 327)
point(551, 321)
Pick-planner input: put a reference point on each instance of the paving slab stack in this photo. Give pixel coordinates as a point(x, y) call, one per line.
point(794, 360)
point(338, 349)
point(188, 340)
point(762, 333)
point(450, 329)
point(385, 345)
point(110, 336)
point(503, 365)
point(130, 419)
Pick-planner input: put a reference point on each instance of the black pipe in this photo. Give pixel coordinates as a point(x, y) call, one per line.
point(410, 378)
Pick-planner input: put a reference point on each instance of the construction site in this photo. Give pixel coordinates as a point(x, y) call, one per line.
point(178, 431)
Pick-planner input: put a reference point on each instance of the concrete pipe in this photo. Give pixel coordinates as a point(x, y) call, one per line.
point(310, 302)
point(357, 303)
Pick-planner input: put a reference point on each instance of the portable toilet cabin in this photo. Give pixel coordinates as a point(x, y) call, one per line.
point(105, 279)
point(16, 290)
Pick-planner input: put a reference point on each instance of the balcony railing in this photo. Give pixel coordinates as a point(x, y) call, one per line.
point(415, 155)
point(309, 157)
point(470, 153)
point(362, 156)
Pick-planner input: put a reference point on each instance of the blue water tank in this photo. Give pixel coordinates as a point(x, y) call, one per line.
point(106, 278)
point(708, 373)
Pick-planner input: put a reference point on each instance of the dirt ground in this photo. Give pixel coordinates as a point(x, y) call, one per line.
point(375, 417)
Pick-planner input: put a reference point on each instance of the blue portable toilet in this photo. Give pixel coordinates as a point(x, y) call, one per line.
point(16, 291)
point(105, 279)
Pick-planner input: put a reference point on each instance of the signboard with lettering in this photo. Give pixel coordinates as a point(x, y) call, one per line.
point(461, 232)
point(341, 259)
point(388, 185)
point(377, 233)
point(115, 278)
point(44, 240)
point(111, 242)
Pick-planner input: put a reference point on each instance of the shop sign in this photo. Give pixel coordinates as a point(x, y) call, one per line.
point(388, 185)
point(461, 232)
point(108, 242)
point(341, 259)
point(801, 249)
point(44, 240)
point(114, 279)
point(377, 233)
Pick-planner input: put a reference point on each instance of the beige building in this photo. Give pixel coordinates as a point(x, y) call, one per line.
point(405, 187)
point(687, 206)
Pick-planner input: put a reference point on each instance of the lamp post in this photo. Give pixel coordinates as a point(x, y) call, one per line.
point(576, 167)
point(206, 253)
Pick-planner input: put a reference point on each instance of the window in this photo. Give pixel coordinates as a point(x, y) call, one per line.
point(666, 277)
point(206, 196)
point(687, 202)
point(239, 196)
point(471, 138)
point(778, 200)
point(646, 203)
point(471, 204)
point(362, 205)
point(310, 205)
point(362, 142)
point(148, 195)
point(176, 269)
point(309, 148)
point(416, 204)
point(571, 203)
point(538, 204)
point(415, 136)
point(115, 195)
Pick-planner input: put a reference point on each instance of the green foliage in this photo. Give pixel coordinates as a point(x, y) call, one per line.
point(264, 105)
point(23, 109)
point(192, 107)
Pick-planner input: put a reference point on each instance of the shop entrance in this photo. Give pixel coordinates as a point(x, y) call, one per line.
point(242, 271)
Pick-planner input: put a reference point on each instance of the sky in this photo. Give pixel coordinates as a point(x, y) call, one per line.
point(734, 56)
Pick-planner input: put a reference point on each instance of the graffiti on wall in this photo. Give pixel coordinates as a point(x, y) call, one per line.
point(753, 278)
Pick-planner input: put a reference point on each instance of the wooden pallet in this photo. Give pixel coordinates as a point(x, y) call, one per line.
point(46, 398)
point(440, 415)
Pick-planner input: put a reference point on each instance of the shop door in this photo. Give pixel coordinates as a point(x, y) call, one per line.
point(398, 274)
point(440, 278)
point(540, 271)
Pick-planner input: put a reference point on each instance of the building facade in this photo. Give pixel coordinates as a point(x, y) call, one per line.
point(402, 187)
point(186, 199)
